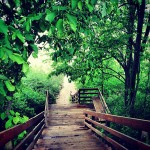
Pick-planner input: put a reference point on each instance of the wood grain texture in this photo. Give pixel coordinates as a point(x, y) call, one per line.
point(66, 130)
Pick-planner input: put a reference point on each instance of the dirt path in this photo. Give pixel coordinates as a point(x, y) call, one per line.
point(64, 95)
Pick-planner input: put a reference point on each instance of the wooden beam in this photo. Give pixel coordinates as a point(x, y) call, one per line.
point(30, 136)
point(133, 142)
point(30, 147)
point(139, 124)
point(89, 93)
point(111, 141)
point(85, 89)
point(8, 135)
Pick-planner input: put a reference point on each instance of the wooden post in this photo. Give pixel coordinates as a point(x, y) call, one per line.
point(144, 136)
point(93, 118)
point(46, 113)
point(79, 96)
point(86, 115)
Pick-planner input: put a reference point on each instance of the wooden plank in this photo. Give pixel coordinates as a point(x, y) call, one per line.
point(139, 124)
point(98, 106)
point(83, 89)
point(103, 102)
point(114, 143)
point(85, 97)
point(89, 93)
point(67, 131)
point(133, 142)
point(9, 134)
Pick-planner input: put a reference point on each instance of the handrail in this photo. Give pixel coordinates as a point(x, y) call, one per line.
point(103, 102)
point(10, 134)
point(139, 124)
point(34, 126)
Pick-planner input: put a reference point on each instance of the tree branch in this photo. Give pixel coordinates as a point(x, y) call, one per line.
point(114, 76)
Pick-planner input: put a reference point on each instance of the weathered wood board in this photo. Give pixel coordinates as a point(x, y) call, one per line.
point(66, 130)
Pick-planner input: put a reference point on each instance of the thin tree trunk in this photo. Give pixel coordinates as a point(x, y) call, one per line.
point(136, 63)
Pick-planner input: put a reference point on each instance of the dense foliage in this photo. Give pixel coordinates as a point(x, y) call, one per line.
point(99, 43)
point(29, 100)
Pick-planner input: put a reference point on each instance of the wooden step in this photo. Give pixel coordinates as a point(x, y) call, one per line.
point(66, 131)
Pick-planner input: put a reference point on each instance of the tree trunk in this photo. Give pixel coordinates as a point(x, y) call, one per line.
point(136, 63)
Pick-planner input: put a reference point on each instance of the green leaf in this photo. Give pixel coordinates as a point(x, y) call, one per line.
point(10, 117)
point(9, 86)
point(2, 77)
point(104, 10)
point(16, 58)
point(21, 37)
point(73, 27)
point(28, 24)
point(80, 5)
point(25, 67)
point(7, 42)
point(25, 119)
point(87, 1)
point(17, 2)
point(12, 112)
point(35, 48)
point(17, 114)
point(3, 116)
point(2, 53)
point(90, 7)
point(93, 2)
point(36, 17)
point(51, 31)
point(21, 135)
point(71, 50)
point(34, 55)
point(8, 124)
point(9, 98)
point(59, 26)
point(29, 37)
point(50, 16)
point(114, 2)
point(58, 8)
point(74, 3)
point(3, 27)
point(72, 21)
point(16, 120)
point(140, 2)
point(2, 90)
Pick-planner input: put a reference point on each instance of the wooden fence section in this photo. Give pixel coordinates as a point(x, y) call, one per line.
point(86, 96)
point(91, 121)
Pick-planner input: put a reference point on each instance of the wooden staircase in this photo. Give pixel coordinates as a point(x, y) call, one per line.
point(85, 125)
point(66, 130)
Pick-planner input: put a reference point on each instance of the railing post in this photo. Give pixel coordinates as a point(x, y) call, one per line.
point(86, 115)
point(46, 113)
point(79, 97)
point(93, 118)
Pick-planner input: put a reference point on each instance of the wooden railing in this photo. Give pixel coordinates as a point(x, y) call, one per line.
point(33, 126)
point(86, 95)
point(123, 141)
